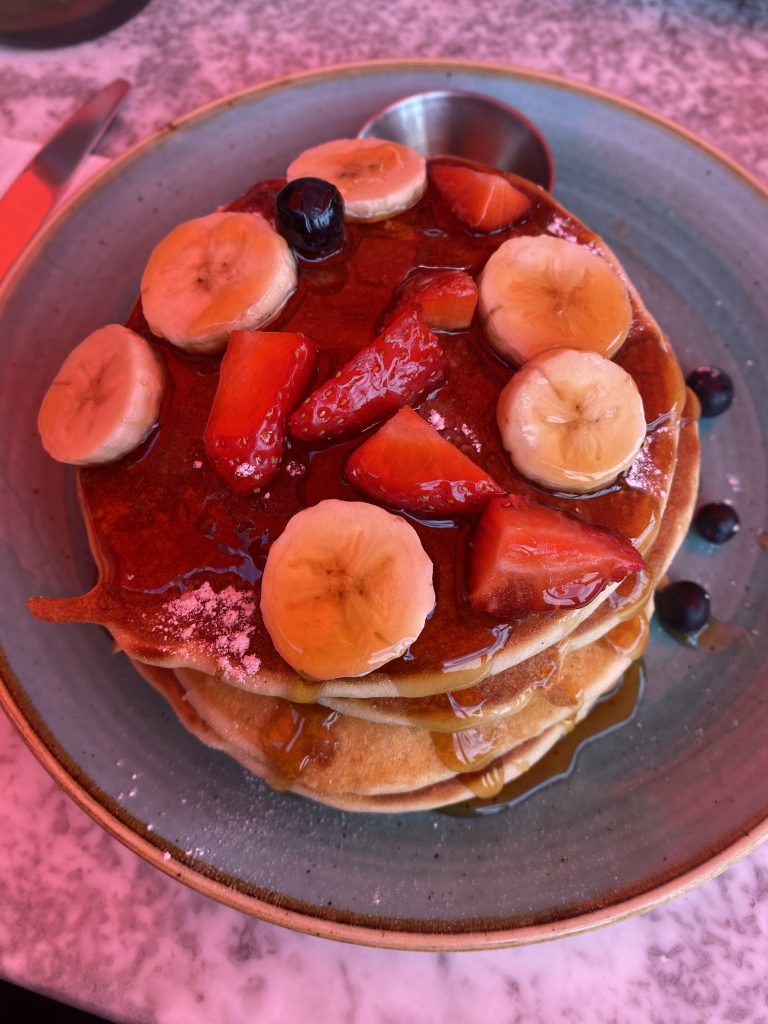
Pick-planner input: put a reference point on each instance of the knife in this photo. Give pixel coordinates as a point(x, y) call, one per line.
point(32, 195)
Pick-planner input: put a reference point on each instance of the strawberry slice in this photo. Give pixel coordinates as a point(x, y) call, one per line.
point(403, 362)
point(527, 558)
point(483, 202)
point(263, 375)
point(447, 298)
point(408, 465)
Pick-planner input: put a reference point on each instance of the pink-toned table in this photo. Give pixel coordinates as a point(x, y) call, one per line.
point(87, 921)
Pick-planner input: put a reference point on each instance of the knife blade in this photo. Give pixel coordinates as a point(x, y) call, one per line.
point(30, 198)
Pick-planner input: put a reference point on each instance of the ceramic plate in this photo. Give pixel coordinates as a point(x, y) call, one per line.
point(651, 808)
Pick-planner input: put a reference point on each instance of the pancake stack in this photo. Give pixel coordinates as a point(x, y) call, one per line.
point(478, 696)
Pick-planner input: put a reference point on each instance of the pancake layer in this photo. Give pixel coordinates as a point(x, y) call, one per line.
point(475, 701)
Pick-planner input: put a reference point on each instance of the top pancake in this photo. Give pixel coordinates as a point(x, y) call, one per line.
point(180, 557)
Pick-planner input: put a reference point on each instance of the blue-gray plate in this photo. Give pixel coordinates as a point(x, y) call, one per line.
point(650, 809)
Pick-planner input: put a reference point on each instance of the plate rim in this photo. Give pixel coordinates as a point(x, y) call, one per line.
point(51, 755)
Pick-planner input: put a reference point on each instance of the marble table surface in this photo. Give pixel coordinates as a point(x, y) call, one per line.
point(86, 920)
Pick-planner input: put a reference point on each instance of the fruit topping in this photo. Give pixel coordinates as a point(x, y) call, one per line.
point(447, 298)
point(570, 420)
point(683, 607)
point(408, 465)
point(214, 275)
point(347, 587)
point(104, 400)
point(717, 522)
point(401, 364)
point(527, 558)
point(310, 217)
point(377, 178)
point(539, 292)
point(713, 388)
point(262, 377)
point(481, 201)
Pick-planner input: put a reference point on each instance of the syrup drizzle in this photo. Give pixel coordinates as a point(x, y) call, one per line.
point(297, 736)
point(612, 711)
point(713, 637)
point(474, 752)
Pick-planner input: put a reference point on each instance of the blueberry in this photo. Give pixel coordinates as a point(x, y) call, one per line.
point(310, 217)
point(717, 522)
point(713, 388)
point(683, 607)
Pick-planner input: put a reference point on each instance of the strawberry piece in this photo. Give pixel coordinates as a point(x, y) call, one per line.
point(403, 362)
point(527, 558)
point(408, 465)
point(447, 298)
point(483, 202)
point(263, 375)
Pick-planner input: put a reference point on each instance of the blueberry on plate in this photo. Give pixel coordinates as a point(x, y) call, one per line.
point(310, 217)
point(717, 522)
point(713, 388)
point(683, 607)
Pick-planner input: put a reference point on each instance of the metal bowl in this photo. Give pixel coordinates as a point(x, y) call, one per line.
point(465, 124)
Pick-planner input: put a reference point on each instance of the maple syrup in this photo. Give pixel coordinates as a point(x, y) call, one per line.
point(630, 637)
point(298, 735)
point(496, 696)
point(612, 711)
point(161, 521)
point(714, 636)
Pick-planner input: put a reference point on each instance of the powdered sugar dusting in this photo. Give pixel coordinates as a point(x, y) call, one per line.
point(230, 617)
point(558, 227)
point(436, 420)
point(223, 619)
point(294, 468)
point(472, 437)
point(644, 474)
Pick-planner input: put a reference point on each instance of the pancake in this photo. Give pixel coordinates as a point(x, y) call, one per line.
point(507, 692)
point(180, 557)
point(354, 764)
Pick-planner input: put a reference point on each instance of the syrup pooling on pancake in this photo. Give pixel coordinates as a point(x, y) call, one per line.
point(163, 522)
point(473, 692)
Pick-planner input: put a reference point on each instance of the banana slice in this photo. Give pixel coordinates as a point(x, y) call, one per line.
point(214, 275)
point(539, 292)
point(377, 179)
point(571, 420)
point(104, 400)
point(347, 587)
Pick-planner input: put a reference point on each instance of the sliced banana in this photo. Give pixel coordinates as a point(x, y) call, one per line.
point(571, 421)
point(376, 178)
point(539, 292)
point(214, 275)
point(347, 587)
point(104, 400)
